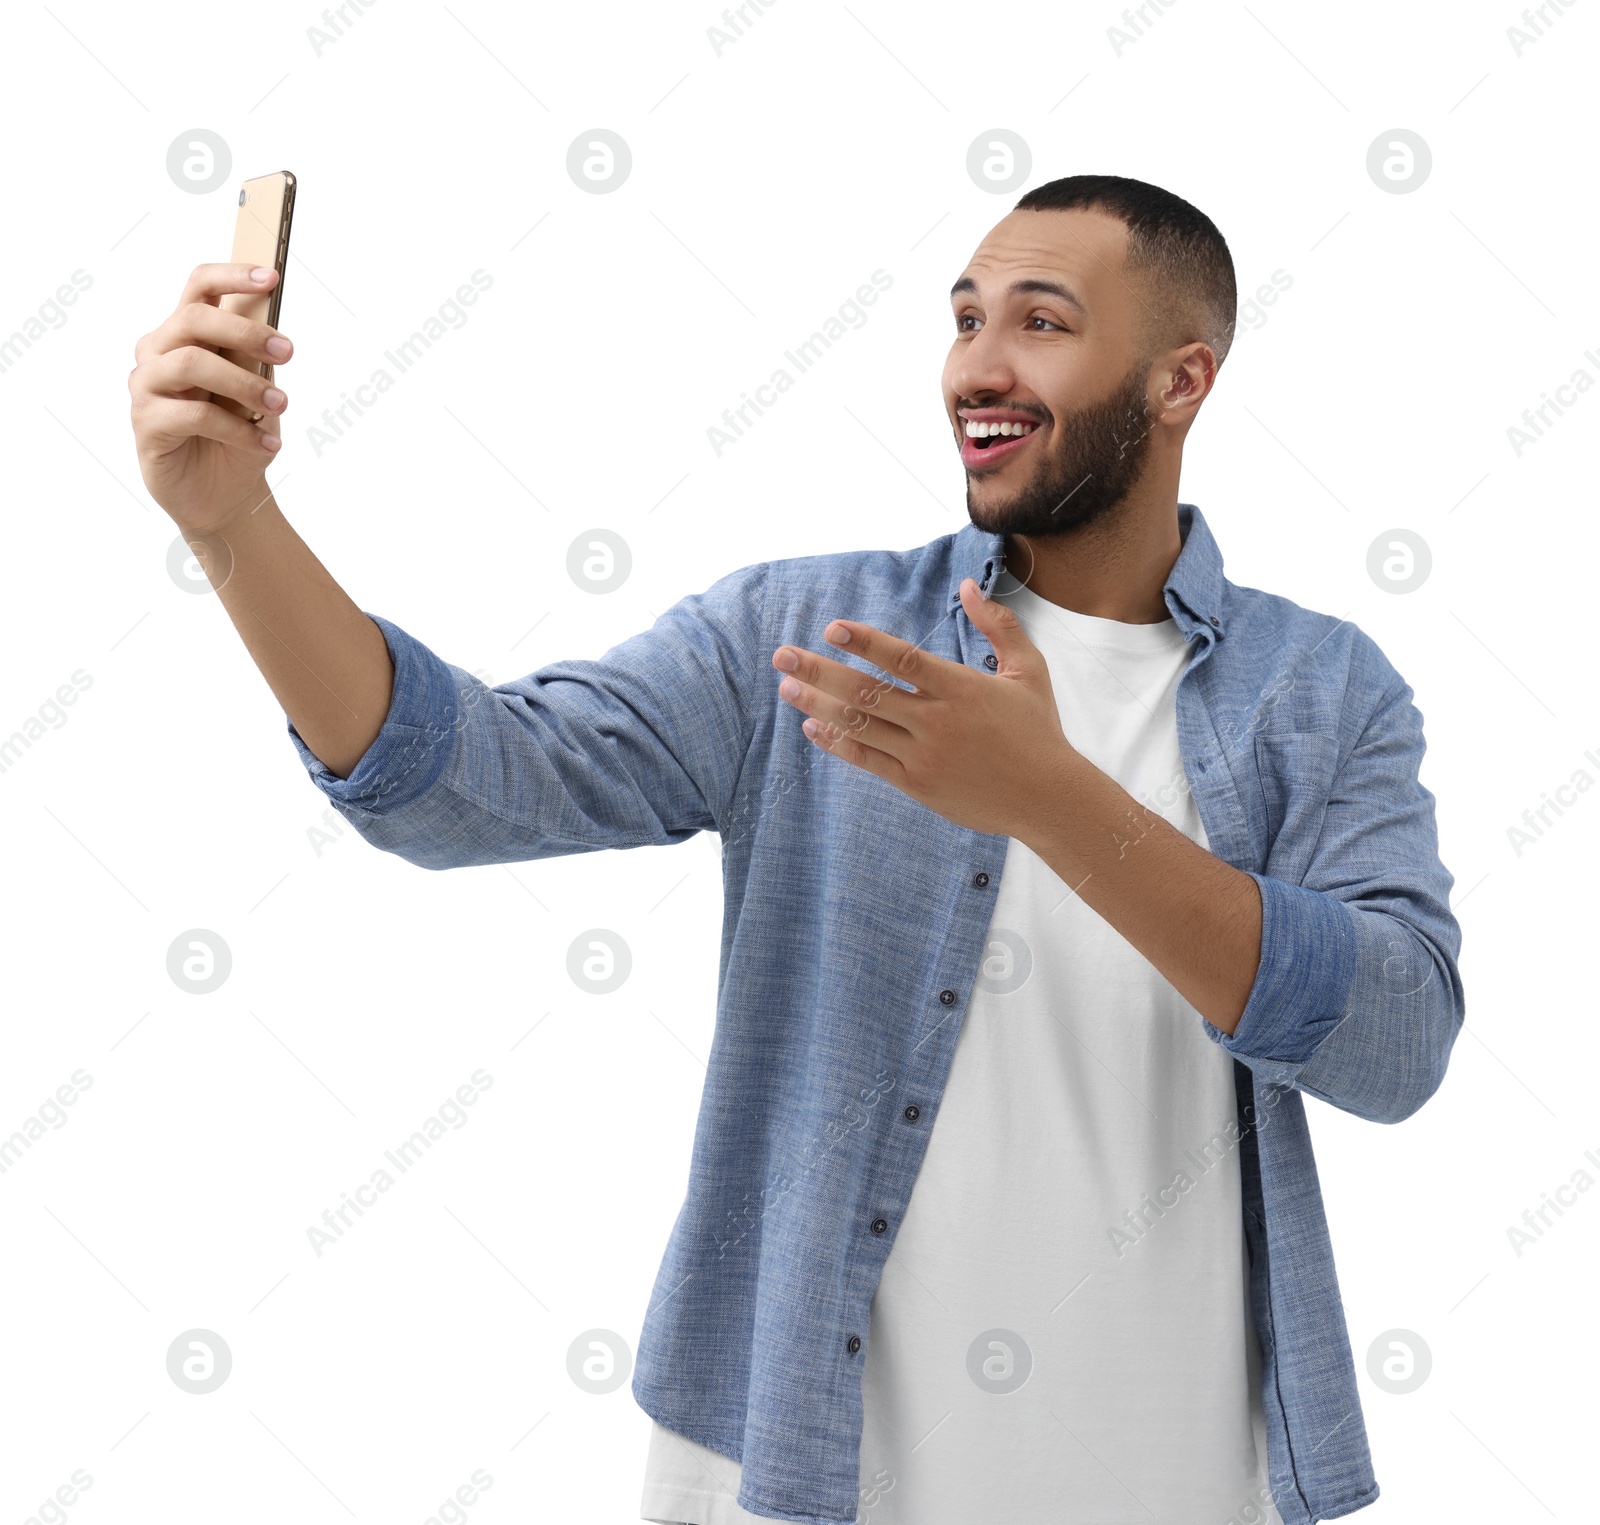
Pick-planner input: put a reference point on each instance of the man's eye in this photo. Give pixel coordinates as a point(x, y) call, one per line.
point(1047, 323)
point(963, 320)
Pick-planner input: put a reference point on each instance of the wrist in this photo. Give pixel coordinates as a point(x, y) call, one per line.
point(253, 510)
point(252, 501)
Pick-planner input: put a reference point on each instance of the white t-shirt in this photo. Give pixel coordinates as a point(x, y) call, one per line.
point(1061, 1334)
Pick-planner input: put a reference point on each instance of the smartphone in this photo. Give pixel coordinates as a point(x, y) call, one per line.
point(260, 237)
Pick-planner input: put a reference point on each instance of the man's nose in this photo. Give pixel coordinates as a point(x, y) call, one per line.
point(984, 367)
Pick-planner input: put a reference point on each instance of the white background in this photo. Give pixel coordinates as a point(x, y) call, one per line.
point(769, 181)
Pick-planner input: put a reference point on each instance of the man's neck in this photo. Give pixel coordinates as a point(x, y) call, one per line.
point(1113, 569)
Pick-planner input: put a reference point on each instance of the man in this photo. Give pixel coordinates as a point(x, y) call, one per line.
point(1056, 870)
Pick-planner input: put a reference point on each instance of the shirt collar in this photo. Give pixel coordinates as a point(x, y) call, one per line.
point(1193, 589)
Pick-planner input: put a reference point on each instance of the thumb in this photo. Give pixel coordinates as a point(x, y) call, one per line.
point(998, 621)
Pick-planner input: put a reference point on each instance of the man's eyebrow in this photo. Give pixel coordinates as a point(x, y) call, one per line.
point(1029, 287)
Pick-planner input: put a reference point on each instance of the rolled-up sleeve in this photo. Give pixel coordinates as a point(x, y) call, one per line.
point(410, 752)
point(1358, 999)
point(642, 746)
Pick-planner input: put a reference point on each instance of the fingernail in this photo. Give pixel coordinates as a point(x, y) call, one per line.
point(278, 348)
point(787, 660)
point(274, 399)
point(838, 635)
point(271, 442)
point(260, 273)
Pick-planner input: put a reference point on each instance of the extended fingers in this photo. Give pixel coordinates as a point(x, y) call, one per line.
point(847, 712)
point(835, 681)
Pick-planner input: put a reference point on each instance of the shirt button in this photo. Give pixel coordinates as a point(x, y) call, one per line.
point(912, 1113)
point(947, 998)
point(880, 1225)
point(853, 1344)
point(981, 880)
point(1214, 620)
point(991, 661)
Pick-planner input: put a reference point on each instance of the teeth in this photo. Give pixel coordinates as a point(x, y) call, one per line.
point(983, 431)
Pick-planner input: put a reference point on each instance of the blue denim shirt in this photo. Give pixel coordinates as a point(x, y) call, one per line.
point(854, 925)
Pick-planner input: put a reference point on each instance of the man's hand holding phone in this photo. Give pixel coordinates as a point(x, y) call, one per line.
point(201, 462)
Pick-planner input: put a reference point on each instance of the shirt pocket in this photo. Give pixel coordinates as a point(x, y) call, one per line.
point(1294, 773)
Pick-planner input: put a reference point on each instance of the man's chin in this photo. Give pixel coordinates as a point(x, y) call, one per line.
point(992, 511)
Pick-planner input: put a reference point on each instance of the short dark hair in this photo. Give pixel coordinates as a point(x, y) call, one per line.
point(1185, 260)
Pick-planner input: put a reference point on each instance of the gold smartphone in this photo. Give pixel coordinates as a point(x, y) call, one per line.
point(260, 237)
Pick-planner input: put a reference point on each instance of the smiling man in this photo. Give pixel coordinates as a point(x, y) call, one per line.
point(1058, 869)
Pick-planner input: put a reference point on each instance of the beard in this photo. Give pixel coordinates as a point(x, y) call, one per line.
point(1099, 452)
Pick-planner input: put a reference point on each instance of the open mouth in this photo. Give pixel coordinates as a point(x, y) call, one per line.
point(989, 442)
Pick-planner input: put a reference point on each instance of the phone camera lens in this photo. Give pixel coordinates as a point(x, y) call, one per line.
point(241, 198)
